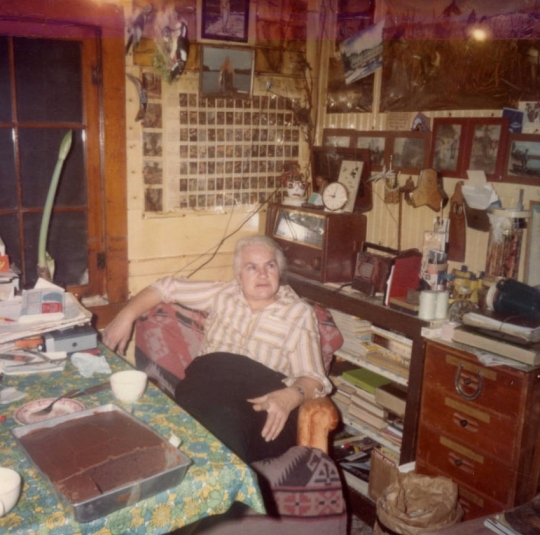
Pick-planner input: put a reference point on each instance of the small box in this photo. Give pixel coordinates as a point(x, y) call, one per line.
point(71, 339)
point(382, 473)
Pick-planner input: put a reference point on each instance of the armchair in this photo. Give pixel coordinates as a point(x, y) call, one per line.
point(301, 487)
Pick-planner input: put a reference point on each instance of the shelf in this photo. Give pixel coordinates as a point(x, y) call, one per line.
point(371, 432)
point(370, 366)
point(373, 310)
point(366, 429)
point(359, 485)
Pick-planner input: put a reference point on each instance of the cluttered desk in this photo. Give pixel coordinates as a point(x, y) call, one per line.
point(206, 477)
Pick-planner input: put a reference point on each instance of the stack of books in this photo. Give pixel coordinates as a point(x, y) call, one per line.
point(391, 351)
point(525, 353)
point(356, 333)
point(363, 406)
point(393, 397)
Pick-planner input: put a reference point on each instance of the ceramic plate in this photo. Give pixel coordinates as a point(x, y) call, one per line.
point(26, 414)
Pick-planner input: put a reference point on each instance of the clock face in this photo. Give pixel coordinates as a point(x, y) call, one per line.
point(335, 196)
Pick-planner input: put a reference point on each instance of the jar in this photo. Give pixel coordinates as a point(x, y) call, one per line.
point(513, 298)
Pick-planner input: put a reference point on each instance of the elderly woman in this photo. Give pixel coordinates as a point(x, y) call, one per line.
point(260, 357)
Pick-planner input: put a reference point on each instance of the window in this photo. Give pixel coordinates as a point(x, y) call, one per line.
point(52, 79)
point(48, 95)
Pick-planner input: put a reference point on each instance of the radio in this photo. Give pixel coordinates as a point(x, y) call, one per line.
point(318, 245)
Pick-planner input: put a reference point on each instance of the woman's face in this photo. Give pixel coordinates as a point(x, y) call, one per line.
point(258, 276)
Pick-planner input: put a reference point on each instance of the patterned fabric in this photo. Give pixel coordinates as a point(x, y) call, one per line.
point(304, 482)
point(283, 335)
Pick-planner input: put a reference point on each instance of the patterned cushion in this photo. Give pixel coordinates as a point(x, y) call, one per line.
point(170, 336)
point(304, 482)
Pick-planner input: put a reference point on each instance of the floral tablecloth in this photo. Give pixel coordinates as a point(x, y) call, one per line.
point(215, 479)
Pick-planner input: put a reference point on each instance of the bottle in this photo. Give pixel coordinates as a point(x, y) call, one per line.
point(513, 298)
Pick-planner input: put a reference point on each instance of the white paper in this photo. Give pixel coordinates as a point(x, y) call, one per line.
point(76, 314)
point(479, 197)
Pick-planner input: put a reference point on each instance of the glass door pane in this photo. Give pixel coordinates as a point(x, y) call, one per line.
point(54, 69)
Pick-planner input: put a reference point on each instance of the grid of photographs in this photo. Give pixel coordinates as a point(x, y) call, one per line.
point(220, 152)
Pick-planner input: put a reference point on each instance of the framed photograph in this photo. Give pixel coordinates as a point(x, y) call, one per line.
point(226, 72)
point(326, 162)
point(485, 145)
point(338, 137)
point(225, 20)
point(448, 146)
point(523, 159)
point(409, 151)
point(376, 143)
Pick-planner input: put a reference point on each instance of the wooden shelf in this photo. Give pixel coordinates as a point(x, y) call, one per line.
point(372, 309)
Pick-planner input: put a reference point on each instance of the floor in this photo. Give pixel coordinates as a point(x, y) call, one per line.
point(359, 528)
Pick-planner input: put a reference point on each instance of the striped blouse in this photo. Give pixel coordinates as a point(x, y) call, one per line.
point(284, 336)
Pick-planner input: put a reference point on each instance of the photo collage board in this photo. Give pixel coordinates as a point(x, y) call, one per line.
point(211, 153)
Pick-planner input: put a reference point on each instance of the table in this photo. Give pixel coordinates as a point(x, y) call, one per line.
point(213, 482)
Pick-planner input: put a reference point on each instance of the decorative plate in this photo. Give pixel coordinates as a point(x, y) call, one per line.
point(26, 414)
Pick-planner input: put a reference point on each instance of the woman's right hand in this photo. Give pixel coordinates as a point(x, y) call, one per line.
point(117, 334)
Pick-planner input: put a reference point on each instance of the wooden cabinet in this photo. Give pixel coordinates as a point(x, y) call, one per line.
point(480, 427)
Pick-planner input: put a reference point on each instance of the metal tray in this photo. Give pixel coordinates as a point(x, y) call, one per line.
point(119, 497)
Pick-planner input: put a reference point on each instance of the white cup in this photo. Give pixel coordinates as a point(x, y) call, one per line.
point(10, 489)
point(128, 385)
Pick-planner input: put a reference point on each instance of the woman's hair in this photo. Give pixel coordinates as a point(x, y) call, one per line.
point(266, 242)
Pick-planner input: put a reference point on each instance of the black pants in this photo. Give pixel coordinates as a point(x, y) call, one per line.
point(215, 391)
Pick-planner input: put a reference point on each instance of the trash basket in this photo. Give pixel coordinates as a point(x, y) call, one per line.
point(416, 503)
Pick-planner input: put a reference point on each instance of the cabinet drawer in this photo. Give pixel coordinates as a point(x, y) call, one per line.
point(463, 464)
point(474, 504)
point(453, 372)
point(475, 426)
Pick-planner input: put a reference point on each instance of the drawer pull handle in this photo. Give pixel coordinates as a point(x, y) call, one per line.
point(458, 462)
point(467, 381)
point(463, 423)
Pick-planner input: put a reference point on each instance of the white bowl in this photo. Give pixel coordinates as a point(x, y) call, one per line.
point(128, 385)
point(10, 489)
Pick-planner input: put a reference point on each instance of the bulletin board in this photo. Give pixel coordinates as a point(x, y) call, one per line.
point(532, 275)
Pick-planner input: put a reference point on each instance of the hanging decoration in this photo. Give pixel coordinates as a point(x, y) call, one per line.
point(169, 31)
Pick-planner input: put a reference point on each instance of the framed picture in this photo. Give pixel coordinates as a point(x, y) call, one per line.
point(376, 143)
point(327, 162)
point(226, 72)
point(338, 137)
point(448, 146)
point(409, 151)
point(523, 159)
point(225, 20)
point(485, 145)
point(350, 175)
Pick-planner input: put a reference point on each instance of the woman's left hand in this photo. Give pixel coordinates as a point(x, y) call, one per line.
point(278, 405)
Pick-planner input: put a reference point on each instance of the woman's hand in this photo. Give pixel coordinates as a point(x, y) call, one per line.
point(278, 405)
point(117, 334)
